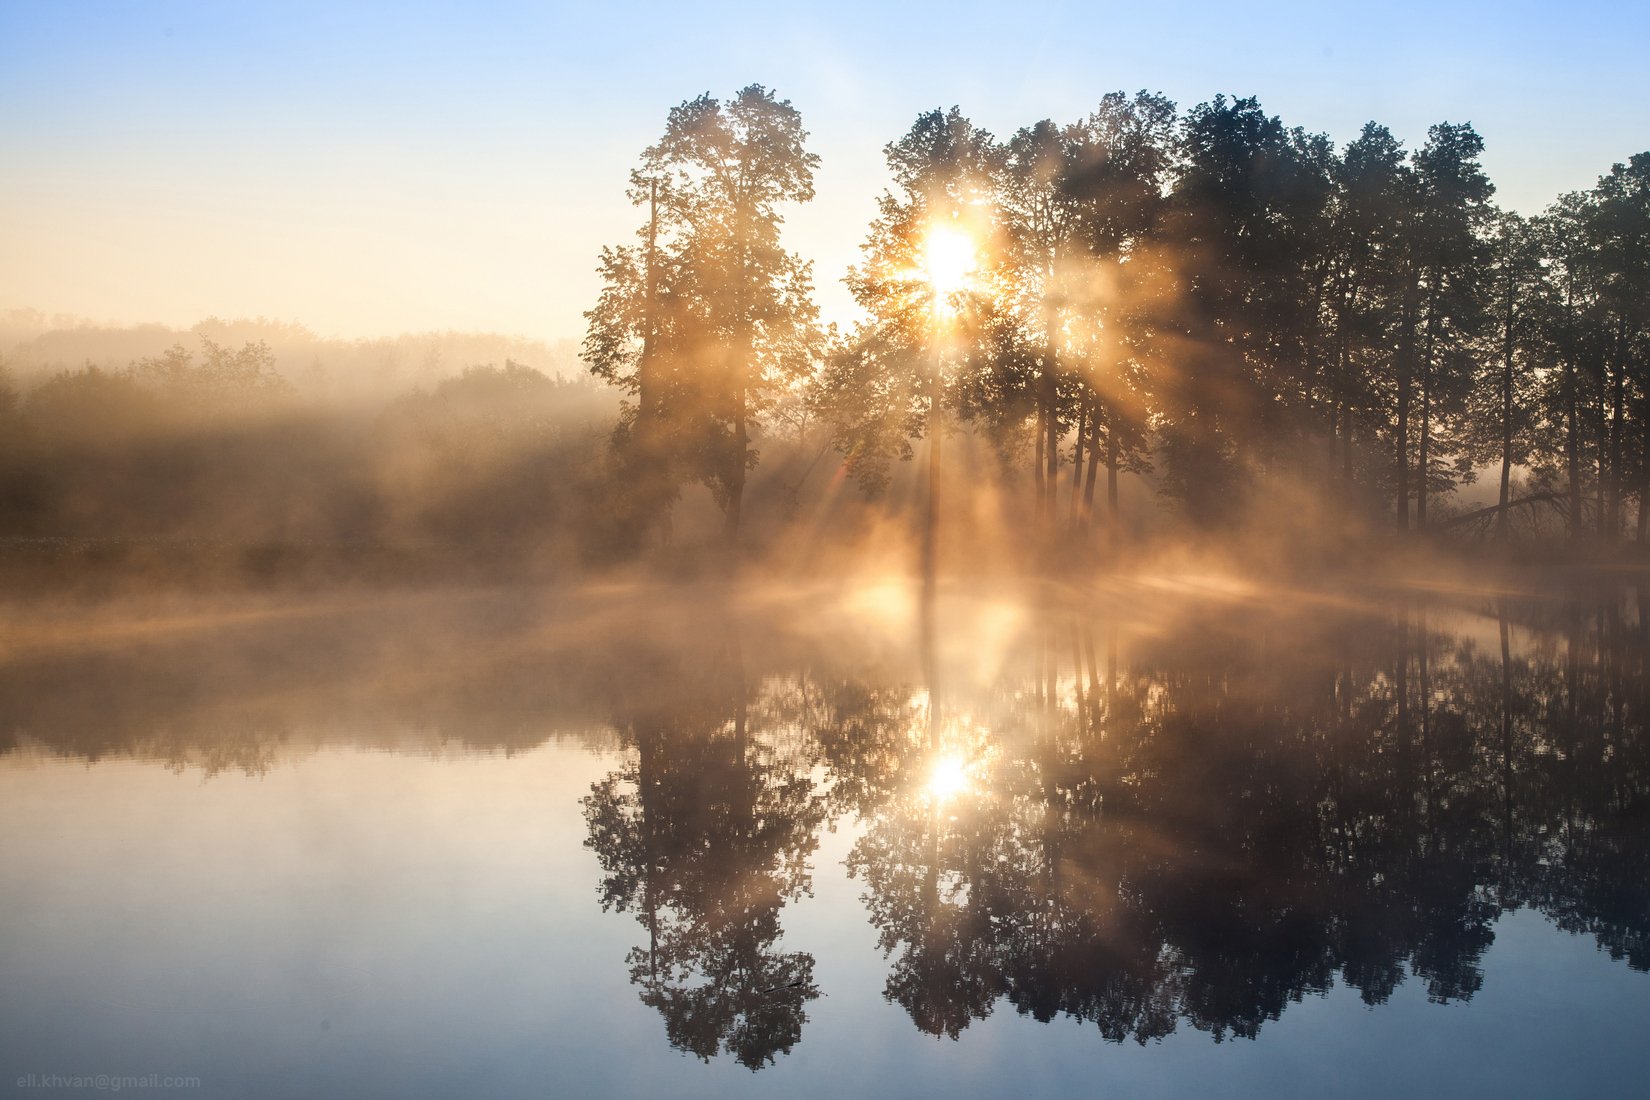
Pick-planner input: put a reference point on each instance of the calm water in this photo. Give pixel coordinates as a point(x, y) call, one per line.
point(1181, 837)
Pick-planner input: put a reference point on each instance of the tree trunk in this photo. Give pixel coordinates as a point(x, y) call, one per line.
point(741, 437)
point(1342, 405)
point(1037, 466)
point(1617, 395)
point(1506, 414)
point(1094, 463)
point(931, 517)
point(649, 474)
point(1572, 446)
point(1051, 452)
point(1334, 425)
point(1600, 436)
point(1426, 413)
point(1644, 494)
point(1111, 479)
point(1077, 464)
point(1426, 439)
point(1314, 355)
point(647, 396)
point(1405, 357)
point(736, 475)
point(1346, 448)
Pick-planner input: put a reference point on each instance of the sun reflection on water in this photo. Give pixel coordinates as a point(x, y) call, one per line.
point(947, 779)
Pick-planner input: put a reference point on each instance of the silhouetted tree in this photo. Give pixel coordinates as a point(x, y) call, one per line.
point(884, 383)
point(1246, 221)
point(1444, 236)
point(1500, 407)
point(712, 316)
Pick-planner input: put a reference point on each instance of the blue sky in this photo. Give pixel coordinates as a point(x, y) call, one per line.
point(372, 169)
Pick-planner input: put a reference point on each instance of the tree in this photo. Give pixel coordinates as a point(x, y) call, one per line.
point(1246, 225)
point(705, 833)
point(1441, 308)
point(638, 339)
point(882, 385)
point(1116, 283)
point(1041, 212)
point(1575, 393)
point(1078, 203)
point(1499, 409)
point(711, 317)
point(1620, 240)
point(1371, 183)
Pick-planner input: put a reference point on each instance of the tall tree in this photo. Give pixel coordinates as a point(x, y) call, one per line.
point(884, 385)
point(713, 317)
point(1246, 224)
point(1119, 283)
point(639, 337)
point(1620, 239)
point(1041, 216)
point(1576, 387)
point(1499, 411)
point(1371, 182)
point(1079, 202)
point(1441, 306)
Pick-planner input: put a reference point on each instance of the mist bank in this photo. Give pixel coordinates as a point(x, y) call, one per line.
point(212, 465)
point(35, 346)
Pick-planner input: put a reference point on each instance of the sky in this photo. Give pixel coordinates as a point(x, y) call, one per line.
point(373, 169)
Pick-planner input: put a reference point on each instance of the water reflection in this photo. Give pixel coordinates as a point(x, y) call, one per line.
point(1252, 806)
point(1146, 813)
point(704, 834)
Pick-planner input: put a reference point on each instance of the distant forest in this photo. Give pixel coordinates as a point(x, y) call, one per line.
point(1227, 325)
point(257, 450)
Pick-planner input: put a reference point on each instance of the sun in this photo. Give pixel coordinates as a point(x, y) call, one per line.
point(949, 260)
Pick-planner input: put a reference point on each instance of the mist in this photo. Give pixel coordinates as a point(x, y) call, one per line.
point(1200, 595)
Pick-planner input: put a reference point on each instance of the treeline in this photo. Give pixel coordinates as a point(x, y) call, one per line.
point(211, 461)
point(34, 347)
point(1281, 331)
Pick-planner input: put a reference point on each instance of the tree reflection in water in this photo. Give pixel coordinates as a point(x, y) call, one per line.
point(704, 835)
point(1247, 807)
point(1175, 813)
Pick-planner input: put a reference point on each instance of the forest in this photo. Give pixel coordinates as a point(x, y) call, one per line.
point(1233, 304)
point(1268, 336)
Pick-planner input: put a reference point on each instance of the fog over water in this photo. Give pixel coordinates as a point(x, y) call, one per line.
point(564, 838)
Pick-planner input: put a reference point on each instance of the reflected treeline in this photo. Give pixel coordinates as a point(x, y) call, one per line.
point(1157, 812)
point(1197, 825)
point(242, 688)
point(1245, 809)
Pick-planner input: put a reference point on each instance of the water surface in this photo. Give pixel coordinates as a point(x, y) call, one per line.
point(1176, 836)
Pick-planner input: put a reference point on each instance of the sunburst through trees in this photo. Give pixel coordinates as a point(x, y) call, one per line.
point(1228, 305)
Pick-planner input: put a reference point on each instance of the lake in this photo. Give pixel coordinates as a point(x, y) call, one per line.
point(1170, 835)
